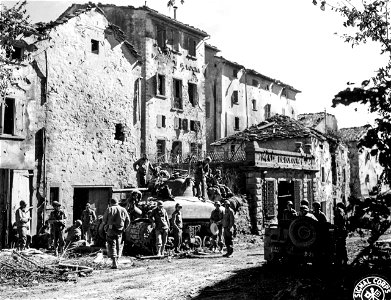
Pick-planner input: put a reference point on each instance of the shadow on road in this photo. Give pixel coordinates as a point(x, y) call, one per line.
point(282, 283)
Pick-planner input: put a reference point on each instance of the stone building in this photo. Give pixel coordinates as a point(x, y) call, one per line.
point(365, 169)
point(284, 160)
point(238, 97)
point(321, 121)
point(72, 121)
point(172, 90)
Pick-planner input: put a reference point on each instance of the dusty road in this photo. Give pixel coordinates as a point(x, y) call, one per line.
point(184, 278)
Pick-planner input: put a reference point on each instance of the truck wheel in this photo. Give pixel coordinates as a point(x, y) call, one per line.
point(303, 232)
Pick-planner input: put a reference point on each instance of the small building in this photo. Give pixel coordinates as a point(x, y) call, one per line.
point(238, 97)
point(71, 131)
point(173, 86)
point(365, 169)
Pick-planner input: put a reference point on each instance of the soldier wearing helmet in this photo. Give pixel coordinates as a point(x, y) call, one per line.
point(57, 220)
point(74, 233)
point(22, 222)
point(201, 172)
point(161, 223)
point(289, 213)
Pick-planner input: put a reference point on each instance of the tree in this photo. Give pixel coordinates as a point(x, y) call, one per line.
point(14, 23)
point(370, 22)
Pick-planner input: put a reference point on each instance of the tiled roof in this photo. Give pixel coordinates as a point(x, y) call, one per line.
point(274, 128)
point(312, 119)
point(212, 47)
point(251, 71)
point(353, 134)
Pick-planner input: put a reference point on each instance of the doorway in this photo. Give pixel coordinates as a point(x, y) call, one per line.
point(285, 194)
point(98, 197)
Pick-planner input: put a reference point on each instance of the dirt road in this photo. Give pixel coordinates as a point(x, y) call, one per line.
point(166, 278)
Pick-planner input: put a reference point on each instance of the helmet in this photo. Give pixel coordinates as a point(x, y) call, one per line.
point(56, 204)
point(78, 223)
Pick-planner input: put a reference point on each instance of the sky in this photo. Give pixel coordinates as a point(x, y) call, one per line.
point(289, 40)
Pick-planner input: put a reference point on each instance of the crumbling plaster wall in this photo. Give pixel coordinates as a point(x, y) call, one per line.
point(88, 94)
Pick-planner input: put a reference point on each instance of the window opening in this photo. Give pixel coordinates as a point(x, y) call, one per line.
point(94, 46)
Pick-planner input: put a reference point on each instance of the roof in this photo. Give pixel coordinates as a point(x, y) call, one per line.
point(312, 119)
point(212, 47)
point(353, 134)
point(277, 127)
point(251, 71)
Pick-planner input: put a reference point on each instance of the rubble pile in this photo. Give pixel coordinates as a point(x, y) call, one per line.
point(31, 267)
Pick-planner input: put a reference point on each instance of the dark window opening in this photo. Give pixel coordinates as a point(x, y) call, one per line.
point(232, 148)
point(185, 124)
point(333, 169)
point(235, 97)
point(267, 111)
point(161, 85)
point(323, 175)
point(161, 37)
point(161, 147)
point(236, 123)
point(119, 132)
point(255, 83)
point(192, 89)
point(176, 148)
point(161, 121)
point(54, 194)
point(178, 94)
point(192, 47)
point(254, 103)
point(8, 123)
point(95, 46)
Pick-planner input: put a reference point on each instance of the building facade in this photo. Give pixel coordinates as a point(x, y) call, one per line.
point(173, 85)
point(238, 97)
point(72, 131)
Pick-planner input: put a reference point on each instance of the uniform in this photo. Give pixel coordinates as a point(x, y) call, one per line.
point(177, 226)
point(57, 219)
point(88, 217)
point(160, 218)
point(228, 222)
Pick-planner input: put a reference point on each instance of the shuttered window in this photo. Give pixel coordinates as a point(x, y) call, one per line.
point(161, 121)
point(297, 185)
point(270, 198)
point(185, 124)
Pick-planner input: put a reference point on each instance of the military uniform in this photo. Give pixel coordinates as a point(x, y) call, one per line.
point(88, 217)
point(228, 222)
point(160, 218)
point(22, 223)
point(177, 225)
point(57, 219)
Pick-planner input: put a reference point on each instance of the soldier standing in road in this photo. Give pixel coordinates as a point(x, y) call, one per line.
point(57, 220)
point(216, 216)
point(177, 225)
point(228, 223)
point(22, 222)
point(115, 221)
point(160, 222)
point(143, 167)
point(88, 217)
point(318, 213)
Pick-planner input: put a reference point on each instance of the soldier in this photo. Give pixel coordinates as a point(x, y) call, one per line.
point(202, 170)
point(341, 234)
point(57, 220)
point(177, 225)
point(216, 217)
point(22, 224)
point(228, 223)
point(318, 213)
point(143, 167)
point(160, 223)
point(87, 218)
point(115, 221)
point(74, 233)
point(289, 212)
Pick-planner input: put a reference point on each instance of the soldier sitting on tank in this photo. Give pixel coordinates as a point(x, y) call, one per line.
point(133, 210)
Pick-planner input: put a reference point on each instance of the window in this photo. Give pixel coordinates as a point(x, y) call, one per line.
point(195, 148)
point(160, 147)
point(161, 37)
point(94, 46)
point(176, 148)
point(173, 39)
point(7, 116)
point(177, 93)
point(254, 103)
point(323, 175)
point(192, 46)
point(54, 193)
point(16, 54)
point(232, 148)
point(161, 121)
point(235, 73)
point(236, 123)
point(267, 111)
point(193, 94)
point(235, 97)
point(177, 123)
point(195, 125)
point(255, 83)
point(160, 85)
point(185, 124)
point(333, 169)
point(119, 132)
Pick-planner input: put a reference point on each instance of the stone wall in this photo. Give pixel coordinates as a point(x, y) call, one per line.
point(89, 95)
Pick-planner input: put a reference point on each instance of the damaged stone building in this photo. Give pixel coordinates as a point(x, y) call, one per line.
point(70, 129)
point(285, 160)
point(365, 169)
point(238, 97)
point(172, 90)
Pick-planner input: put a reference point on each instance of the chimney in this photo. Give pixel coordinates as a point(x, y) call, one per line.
point(175, 7)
